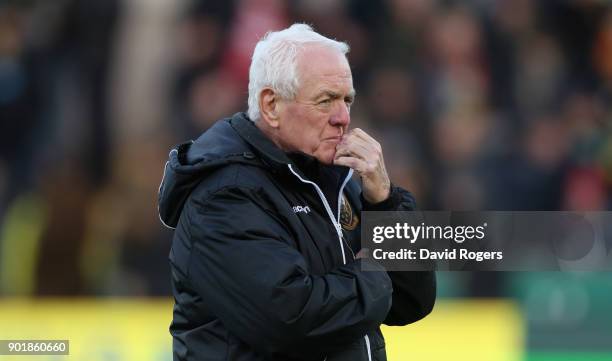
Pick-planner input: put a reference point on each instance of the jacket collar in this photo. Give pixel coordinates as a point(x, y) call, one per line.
point(264, 147)
point(271, 154)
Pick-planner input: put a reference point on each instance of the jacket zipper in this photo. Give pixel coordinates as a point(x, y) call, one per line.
point(336, 223)
point(330, 214)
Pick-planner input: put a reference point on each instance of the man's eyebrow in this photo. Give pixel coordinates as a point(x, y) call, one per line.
point(334, 95)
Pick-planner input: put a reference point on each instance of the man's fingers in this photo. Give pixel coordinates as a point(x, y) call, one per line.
point(359, 151)
point(362, 167)
point(358, 136)
point(361, 134)
point(359, 144)
point(354, 148)
point(354, 163)
point(372, 160)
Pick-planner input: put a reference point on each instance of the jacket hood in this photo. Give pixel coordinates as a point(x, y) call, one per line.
point(231, 140)
point(190, 162)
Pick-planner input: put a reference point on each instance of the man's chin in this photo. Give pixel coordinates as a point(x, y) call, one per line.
point(326, 153)
point(327, 158)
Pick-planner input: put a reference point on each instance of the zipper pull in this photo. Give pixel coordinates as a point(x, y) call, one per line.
point(348, 246)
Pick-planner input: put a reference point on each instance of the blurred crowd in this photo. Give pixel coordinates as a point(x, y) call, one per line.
point(479, 105)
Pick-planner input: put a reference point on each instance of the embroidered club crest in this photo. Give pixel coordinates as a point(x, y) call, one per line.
point(348, 219)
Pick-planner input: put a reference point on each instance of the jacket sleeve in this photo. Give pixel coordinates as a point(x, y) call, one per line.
point(414, 292)
point(261, 288)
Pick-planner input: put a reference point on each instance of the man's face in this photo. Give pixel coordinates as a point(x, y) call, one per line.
point(315, 121)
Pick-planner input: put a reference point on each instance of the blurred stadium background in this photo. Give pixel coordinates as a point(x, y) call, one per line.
point(481, 104)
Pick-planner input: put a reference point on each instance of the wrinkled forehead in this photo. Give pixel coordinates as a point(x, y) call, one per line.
point(318, 63)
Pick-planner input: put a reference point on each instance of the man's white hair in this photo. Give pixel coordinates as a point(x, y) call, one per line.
point(274, 62)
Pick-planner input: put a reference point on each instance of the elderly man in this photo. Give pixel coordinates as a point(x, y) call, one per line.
point(265, 257)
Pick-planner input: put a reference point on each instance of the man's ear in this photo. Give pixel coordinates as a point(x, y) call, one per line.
point(268, 107)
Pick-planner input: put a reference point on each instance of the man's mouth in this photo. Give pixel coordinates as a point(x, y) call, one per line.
point(335, 139)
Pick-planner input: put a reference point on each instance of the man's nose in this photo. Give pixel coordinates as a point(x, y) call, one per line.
point(341, 115)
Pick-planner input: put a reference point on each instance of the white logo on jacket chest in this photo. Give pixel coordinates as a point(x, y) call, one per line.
point(301, 209)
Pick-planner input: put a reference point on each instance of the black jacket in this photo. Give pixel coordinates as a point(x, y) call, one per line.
point(260, 271)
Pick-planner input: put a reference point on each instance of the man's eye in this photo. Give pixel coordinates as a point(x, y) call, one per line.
point(325, 102)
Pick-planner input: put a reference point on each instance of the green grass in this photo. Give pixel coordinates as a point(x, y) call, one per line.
point(569, 356)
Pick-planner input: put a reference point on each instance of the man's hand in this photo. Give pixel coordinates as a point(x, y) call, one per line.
point(363, 153)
